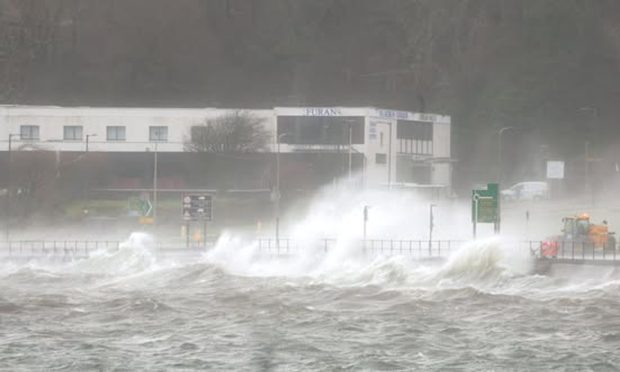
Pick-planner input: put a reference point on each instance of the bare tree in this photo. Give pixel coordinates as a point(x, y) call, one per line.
point(235, 132)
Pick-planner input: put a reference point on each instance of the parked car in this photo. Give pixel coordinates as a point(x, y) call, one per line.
point(526, 191)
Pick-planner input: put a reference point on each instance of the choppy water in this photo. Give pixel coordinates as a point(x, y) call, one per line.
point(231, 310)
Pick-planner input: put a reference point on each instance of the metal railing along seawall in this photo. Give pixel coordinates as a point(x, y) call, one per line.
point(566, 252)
point(70, 249)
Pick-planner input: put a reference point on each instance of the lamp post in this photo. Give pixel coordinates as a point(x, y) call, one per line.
point(276, 193)
point(9, 187)
point(155, 170)
point(431, 226)
point(87, 140)
point(499, 150)
point(350, 149)
point(390, 158)
point(366, 207)
point(350, 122)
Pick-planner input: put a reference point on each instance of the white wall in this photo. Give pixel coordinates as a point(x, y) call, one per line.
point(51, 121)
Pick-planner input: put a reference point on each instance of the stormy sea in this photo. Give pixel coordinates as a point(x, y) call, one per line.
point(231, 308)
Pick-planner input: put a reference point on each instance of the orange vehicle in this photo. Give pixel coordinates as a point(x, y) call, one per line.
point(580, 230)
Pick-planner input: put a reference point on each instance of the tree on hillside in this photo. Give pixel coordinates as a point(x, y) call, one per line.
point(234, 132)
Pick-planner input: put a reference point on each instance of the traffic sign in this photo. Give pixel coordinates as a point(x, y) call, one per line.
point(555, 169)
point(139, 207)
point(485, 204)
point(198, 207)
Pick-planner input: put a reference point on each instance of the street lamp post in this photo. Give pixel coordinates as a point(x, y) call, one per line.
point(431, 226)
point(390, 159)
point(155, 170)
point(9, 187)
point(350, 149)
point(276, 195)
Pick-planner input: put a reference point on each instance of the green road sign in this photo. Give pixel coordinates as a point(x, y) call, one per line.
point(139, 207)
point(485, 204)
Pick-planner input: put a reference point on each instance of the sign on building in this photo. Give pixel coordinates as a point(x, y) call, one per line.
point(555, 169)
point(198, 207)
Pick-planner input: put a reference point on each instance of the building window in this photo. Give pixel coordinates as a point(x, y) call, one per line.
point(414, 137)
point(115, 133)
point(159, 134)
point(29, 132)
point(380, 158)
point(72, 133)
point(321, 130)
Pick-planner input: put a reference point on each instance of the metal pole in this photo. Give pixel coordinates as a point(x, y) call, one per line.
point(187, 234)
point(365, 220)
point(475, 215)
point(7, 231)
point(9, 188)
point(390, 159)
point(431, 225)
point(277, 191)
point(204, 234)
point(155, 167)
point(587, 170)
point(350, 149)
point(365, 223)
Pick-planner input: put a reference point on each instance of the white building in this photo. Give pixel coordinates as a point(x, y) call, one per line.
point(398, 148)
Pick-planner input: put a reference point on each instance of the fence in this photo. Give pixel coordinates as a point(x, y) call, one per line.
point(54, 248)
point(564, 251)
point(413, 248)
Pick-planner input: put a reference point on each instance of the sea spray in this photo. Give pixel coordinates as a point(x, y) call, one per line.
point(136, 254)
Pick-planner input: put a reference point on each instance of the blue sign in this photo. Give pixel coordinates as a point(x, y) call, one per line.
point(392, 114)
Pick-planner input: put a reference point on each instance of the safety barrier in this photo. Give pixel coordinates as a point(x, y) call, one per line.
point(563, 251)
point(54, 248)
point(574, 251)
point(386, 247)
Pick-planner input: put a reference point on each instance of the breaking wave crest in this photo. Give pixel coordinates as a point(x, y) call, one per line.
point(134, 255)
point(484, 264)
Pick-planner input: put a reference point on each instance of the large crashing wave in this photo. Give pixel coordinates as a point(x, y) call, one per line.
point(484, 263)
point(133, 255)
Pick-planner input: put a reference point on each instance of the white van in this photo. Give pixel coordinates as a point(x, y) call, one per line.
point(527, 191)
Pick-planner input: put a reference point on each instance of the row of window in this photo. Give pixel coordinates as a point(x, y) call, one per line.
point(76, 133)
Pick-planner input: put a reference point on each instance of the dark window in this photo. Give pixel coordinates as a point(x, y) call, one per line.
point(408, 129)
point(159, 134)
point(115, 133)
point(72, 133)
point(29, 132)
point(414, 137)
point(380, 158)
point(323, 130)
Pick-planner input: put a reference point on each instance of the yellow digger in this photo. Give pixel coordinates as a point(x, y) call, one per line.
point(580, 231)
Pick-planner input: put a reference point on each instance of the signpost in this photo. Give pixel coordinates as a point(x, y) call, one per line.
point(485, 207)
point(197, 207)
point(141, 208)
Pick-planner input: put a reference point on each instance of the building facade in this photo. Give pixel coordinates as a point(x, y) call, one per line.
point(385, 147)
